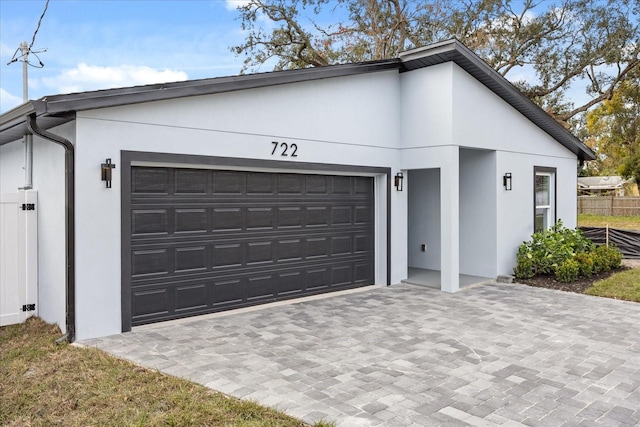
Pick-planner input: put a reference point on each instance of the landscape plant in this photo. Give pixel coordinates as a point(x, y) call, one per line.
point(565, 253)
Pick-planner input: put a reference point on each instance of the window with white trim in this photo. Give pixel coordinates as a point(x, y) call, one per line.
point(545, 198)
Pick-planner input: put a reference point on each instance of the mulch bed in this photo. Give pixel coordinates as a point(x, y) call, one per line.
point(579, 286)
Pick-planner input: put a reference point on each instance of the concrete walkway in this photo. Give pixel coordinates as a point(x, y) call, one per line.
point(405, 355)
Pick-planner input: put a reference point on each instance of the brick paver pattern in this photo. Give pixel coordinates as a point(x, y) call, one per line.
point(403, 355)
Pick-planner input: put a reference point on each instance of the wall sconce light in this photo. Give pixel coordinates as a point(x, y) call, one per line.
point(506, 181)
point(397, 181)
point(106, 171)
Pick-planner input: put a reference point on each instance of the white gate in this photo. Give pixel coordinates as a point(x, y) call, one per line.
point(18, 256)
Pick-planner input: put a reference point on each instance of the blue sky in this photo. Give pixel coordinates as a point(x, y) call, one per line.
point(97, 44)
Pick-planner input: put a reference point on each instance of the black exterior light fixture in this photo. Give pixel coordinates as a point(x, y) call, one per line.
point(106, 168)
point(506, 181)
point(397, 181)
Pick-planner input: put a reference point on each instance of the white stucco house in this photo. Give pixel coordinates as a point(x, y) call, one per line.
point(234, 191)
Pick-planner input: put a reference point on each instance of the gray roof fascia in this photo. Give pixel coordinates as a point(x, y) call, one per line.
point(138, 94)
point(15, 115)
point(58, 109)
point(13, 123)
point(453, 50)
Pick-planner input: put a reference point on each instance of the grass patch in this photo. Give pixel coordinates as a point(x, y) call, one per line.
point(621, 222)
point(44, 384)
point(624, 285)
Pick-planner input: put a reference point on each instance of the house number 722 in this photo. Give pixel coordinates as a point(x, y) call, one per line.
point(285, 149)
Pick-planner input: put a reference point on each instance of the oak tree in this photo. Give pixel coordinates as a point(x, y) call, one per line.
point(562, 42)
point(614, 129)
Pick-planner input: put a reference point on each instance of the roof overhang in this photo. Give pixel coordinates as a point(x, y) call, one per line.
point(58, 109)
point(13, 123)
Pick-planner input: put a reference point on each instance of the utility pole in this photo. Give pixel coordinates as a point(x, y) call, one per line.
point(26, 49)
point(28, 138)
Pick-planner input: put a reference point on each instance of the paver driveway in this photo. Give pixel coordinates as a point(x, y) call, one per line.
point(403, 355)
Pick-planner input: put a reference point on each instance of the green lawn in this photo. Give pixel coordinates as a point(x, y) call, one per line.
point(44, 384)
point(621, 222)
point(624, 285)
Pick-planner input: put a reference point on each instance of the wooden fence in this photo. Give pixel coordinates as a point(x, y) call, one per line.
point(609, 205)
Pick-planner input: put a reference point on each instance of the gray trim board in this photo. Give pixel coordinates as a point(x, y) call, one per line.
point(128, 158)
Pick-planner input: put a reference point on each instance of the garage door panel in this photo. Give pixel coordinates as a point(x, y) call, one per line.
point(318, 279)
point(225, 293)
point(260, 183)
point(341, 215)
point(260, 253)
point(154, 256)
point(290, 184)
point(316, 184)
point(364, 214)
point(363, 186)
point(291, 283)
point(261, 287)
point(341, 275)
point(363, 243)
point(149, 221)
point(150, 302)
point(229, 255)
point(290, 217)
point(233, 290)
point(192, 297)
point(260, 218)
point(341, 185)
point(190, 221)
point(340, 245)
point(317, 247)
point(190, 259)
point(290, 250)
point(191, 181)
point(227, 219)
point(363, 273)
point(145, 262)
point(150, 180)
point(224, 239)
point(317, 216)
point(228, 182)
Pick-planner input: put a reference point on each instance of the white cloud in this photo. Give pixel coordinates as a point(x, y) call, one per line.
point(235, 4)
point(93, 77)
point(6, 51)
point(8, 101)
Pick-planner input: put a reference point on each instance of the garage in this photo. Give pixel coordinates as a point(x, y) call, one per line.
point(207, 240)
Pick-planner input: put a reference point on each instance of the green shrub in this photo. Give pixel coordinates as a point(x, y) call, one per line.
point(524, 268)
point(609, 257)
point(547, 250)
point(568, 271)
point(586, 262)
point(565, 253)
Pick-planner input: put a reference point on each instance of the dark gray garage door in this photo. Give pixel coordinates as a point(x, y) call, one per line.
point(207, 240)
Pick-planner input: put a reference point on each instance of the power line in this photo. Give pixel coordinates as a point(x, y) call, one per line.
point(26, 50)
point(33, 39)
